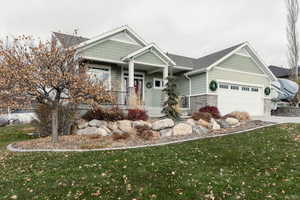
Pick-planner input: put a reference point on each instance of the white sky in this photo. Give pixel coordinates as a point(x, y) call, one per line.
point(186, 27)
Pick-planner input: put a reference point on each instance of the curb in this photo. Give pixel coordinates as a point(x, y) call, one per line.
point(13, 149)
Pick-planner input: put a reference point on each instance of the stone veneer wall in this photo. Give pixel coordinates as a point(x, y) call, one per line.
point(202, 101)
point(287, 112)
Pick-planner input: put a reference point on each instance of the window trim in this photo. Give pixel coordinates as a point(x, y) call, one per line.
point(161, 81)
point(103, 68)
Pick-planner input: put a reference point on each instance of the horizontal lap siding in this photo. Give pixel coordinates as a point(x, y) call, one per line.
point(241, 63)
point(110, 49)
point(217, 74)
point(149, 58)
point(198, 83)
point(183, 87)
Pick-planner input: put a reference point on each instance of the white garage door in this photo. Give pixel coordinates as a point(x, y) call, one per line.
point(233, 97)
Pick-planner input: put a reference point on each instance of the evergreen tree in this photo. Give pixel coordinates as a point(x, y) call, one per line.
point(169, 107)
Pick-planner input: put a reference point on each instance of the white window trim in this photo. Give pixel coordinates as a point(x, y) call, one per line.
point(103, 67)
point(162, 83)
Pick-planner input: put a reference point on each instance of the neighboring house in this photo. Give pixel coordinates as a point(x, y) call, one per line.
point(126, 63)
point(281, 72)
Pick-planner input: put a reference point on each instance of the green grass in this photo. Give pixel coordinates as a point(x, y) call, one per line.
point(263, 164)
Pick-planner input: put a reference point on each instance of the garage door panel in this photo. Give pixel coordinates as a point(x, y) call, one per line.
point(246, 98)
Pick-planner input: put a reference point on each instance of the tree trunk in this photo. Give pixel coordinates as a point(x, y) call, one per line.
point(55, 125)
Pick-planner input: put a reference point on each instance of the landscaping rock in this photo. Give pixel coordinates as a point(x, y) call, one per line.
point(92, 131)
point(113, 126)
point(203, 123)
point(214, 124)
point(166, 132)
point(97, 123)
point(82, 125)
point(141, 123)
point(3, 122)
point(125, 126)
point(223, 123)
point(182, 129)
point(232, 121)
point(162, 124)
point(156, 134)
point(107, 130)
point(191, 122)
point(200, 130)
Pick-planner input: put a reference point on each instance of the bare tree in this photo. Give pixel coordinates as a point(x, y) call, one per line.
point(46, 73)
point(292, 36)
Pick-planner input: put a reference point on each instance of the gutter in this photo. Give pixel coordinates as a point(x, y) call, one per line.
point(196, 72)
point(190, 87)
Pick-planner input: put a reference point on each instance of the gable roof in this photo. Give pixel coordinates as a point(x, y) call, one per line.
point(146, 49)
point(67, 40)
point(281, 72)
point(183, 60)
point(208, 60)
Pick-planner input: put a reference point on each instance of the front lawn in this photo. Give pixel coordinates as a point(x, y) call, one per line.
point(263, 164)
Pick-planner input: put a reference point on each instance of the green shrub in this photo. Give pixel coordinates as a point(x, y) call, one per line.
point(202, 115)
point(110, 114)
point(66, 118)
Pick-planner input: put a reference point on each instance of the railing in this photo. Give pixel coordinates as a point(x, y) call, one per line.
point(184, 101)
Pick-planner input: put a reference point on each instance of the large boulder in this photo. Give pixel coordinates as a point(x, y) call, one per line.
point(214, 124)
point(182, 129)
point(166, 132)
point(232, 121)
point(203, 123)
point(3, 122)
point(125, 126)
point(223, 123)
point(141, 123)
point(93, 131)
point(162, 124)
point(113, 126)
point(97, 123)
point(191, 122)
point(82, 124)
point(200, 130)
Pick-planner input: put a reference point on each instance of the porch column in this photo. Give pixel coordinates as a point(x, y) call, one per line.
point(131, 91)
point(165, 75)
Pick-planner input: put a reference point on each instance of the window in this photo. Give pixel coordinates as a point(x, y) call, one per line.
point(254, 89)
point(247, 89)
point(223, 86)
point(100, 74)
point(234, 87)
point(158, 83)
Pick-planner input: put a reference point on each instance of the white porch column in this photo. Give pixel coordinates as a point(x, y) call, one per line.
point(165, 75)
point(131, 92)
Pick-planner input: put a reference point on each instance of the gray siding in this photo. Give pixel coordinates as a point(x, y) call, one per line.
point(153, 97)
point(198, 83)
point(241, 63)
point(110, 49)
point(149, 58)
point(183, 85)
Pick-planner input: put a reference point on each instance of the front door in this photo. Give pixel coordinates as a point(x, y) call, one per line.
point(138, 87)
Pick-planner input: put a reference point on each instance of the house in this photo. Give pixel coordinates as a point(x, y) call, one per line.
point(281, 72)
point(231, 79)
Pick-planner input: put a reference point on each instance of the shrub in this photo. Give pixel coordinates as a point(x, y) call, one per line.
point(117, 136)
point(110, 114)
point(66, 118)
point(202, 115)
point(137, 114)
point(242, 116)
point(144, 132)
point(214, 111)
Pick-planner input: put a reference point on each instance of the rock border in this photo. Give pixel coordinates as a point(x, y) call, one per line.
point(13, 149)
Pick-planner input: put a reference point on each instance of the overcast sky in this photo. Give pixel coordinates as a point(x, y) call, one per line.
point(187, 27)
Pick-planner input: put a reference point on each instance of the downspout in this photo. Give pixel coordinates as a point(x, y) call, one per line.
point(190, 88)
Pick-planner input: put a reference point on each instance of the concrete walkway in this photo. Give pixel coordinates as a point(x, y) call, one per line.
point(275, 119)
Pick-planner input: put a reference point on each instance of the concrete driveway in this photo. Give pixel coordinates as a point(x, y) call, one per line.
point(276, 119)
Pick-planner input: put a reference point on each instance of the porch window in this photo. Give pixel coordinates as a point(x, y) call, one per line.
point(158, 83)
point(101, 74)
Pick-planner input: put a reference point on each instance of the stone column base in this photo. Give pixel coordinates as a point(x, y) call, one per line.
point(201, 101)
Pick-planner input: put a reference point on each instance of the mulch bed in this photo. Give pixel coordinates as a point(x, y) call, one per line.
point(98, 142)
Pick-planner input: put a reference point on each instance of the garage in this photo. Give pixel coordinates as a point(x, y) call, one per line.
point(235, 97)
